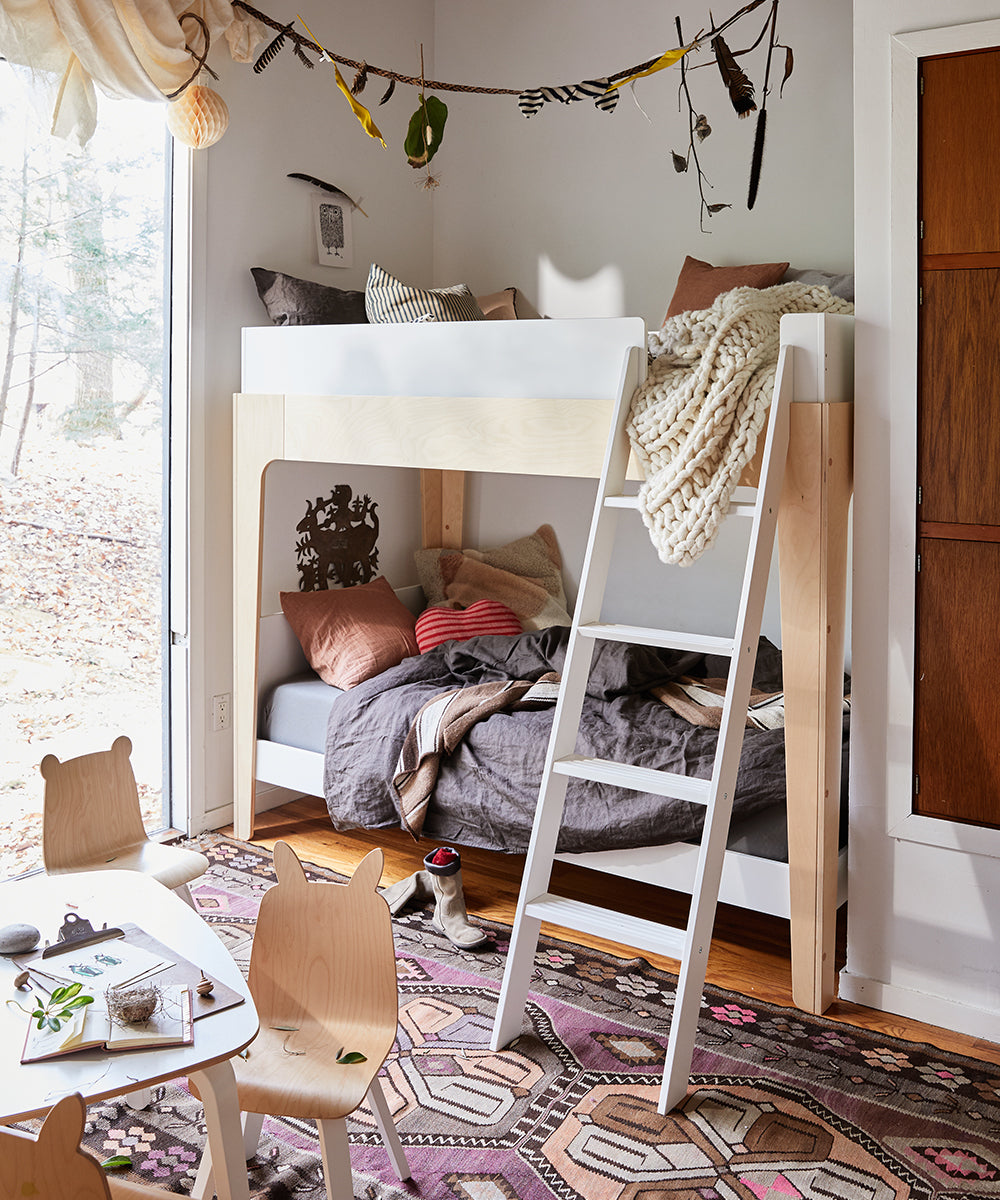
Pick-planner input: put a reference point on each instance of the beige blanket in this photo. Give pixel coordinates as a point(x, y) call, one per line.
point(694, 422)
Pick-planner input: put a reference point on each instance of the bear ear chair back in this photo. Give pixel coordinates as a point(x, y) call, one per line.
point(53, 1166)
point(323, 980)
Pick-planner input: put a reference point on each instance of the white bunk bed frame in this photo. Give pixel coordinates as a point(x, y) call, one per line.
point(536, 398)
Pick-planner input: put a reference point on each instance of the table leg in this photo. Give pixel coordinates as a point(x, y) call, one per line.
point(217, 1087)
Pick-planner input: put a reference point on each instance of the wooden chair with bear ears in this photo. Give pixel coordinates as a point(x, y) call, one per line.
point(92, 821)
point(54, 1166)
point(323, 978)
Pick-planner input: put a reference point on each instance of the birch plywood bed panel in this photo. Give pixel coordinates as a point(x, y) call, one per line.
point(536, 398)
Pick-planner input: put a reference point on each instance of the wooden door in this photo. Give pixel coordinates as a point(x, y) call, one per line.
point(957, 653)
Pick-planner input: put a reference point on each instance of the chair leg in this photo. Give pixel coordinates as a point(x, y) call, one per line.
point(336, 1155)
point(203, 1187)
point(184, 892)
point(387, 1128)
point(140, 1098)
point(252, 1125)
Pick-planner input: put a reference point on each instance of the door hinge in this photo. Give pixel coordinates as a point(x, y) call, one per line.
point(918, 564)
point(921, 85)
point(920, 296)
point(920, 494)
point(921, 228)
point(916, 785)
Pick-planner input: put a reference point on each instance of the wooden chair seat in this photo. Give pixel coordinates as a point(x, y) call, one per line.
point(92, 821)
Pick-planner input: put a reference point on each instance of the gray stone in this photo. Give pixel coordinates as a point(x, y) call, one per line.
point(16, 939)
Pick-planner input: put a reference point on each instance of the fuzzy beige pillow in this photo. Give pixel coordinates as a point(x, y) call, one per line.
point(350, 634)
point(525, 574)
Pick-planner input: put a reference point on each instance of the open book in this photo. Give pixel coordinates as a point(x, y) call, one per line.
point(92, 1026)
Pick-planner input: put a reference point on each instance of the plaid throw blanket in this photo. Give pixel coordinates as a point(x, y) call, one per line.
point(441, 724)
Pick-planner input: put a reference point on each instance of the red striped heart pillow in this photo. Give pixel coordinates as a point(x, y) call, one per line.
point(436, 625)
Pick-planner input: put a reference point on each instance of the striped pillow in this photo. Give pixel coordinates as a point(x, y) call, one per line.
point(437, 624)
point(387, 301)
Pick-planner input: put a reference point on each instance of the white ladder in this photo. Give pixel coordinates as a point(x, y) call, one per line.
point(535, 903)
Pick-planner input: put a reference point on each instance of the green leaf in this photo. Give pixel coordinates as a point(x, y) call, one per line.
point(117, 1162)
point(79, 1002)
point(353, 1056)
point(53, 1023)
point(426, 131)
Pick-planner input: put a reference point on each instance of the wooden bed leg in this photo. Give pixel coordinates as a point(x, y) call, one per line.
point(442, 504)
point(812, 539)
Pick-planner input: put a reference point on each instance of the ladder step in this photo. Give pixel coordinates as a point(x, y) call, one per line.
point(639, 779)
point(742, 504)
point(612, 926)
point(670, 639)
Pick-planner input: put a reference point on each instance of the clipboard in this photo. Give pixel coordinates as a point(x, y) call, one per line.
point(181, 970)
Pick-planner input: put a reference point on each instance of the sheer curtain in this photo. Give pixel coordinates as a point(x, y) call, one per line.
point(133, 48)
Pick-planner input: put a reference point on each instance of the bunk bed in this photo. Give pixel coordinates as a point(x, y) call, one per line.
point(536, 398)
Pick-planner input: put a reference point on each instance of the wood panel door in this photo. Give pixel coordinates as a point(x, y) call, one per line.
point(958, 687)
point(960, 144)
point(956, 720)
point(958, 449)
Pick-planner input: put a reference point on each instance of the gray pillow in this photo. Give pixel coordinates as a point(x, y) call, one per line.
point(291, 301)
point(840, 285)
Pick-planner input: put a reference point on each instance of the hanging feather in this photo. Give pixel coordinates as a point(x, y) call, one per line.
point(327, 187)
point(789, 67)
point(270, 51)
point(358, 86)
point(757, 157)
point(702, 128)
point(737, 84)
point(387, 94)
point(301, 55)
point(679, 161)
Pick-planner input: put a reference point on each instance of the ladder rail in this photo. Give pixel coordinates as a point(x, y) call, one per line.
point(708, 872)
point(535, 903)
point(566, 718)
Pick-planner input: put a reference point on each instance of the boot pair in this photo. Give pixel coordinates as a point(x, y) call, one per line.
point(440, 881)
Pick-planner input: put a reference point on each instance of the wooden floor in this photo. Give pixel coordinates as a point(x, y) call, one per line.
point(750, 951)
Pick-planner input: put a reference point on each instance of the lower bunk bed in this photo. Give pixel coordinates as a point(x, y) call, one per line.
point(644, 705)
point(536, 398)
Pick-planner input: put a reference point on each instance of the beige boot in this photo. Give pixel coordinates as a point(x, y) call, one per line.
point(450, 915)
point(416, 888)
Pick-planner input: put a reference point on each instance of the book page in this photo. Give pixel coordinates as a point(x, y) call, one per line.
point(83, 1029)
point(170, 1025)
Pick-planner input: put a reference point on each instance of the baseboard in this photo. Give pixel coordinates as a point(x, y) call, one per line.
point(920, 1006)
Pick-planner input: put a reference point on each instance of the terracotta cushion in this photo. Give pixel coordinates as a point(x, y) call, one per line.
point(350, 634)
point(699, 283)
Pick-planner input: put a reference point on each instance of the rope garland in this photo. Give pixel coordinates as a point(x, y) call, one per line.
point(440, 85)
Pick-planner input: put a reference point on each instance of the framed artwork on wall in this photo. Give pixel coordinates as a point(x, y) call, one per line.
point(334, 240)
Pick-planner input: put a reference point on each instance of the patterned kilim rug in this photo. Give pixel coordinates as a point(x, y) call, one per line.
point(784, 1105)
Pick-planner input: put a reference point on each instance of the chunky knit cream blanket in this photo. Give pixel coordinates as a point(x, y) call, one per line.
point(694, 422)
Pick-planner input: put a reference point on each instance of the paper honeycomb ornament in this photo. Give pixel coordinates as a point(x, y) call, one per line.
point(198, 117)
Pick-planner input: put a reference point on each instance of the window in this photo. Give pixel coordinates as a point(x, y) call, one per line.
point(83, 466)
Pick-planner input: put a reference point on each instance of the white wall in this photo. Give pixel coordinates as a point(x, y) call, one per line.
point(924, 918)
point(581, 210)
point(247, 213)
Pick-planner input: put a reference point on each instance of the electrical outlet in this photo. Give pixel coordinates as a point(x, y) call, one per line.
point(222, 706)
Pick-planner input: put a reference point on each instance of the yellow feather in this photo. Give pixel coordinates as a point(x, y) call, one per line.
point(667, 59)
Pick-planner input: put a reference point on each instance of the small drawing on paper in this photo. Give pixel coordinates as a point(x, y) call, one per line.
point(334, 243)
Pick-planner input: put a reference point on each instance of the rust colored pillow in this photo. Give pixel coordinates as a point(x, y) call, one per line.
point(350, 634)
point(699, 282)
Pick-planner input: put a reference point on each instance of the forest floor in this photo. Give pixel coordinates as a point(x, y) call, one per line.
point(80, 619)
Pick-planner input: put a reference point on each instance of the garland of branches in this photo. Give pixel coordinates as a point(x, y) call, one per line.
point(735, 80)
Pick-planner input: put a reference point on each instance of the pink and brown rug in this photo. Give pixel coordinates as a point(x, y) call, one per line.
point(783, 1105)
